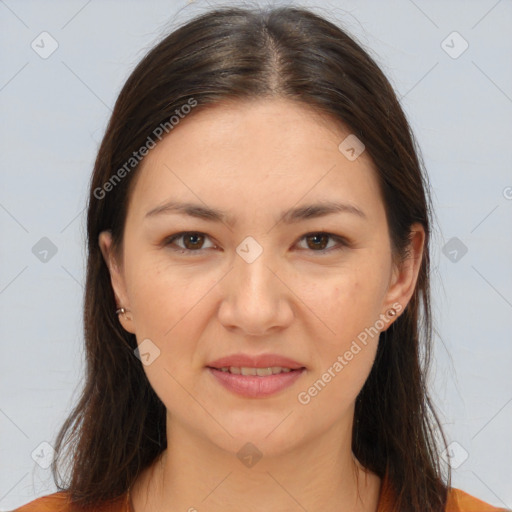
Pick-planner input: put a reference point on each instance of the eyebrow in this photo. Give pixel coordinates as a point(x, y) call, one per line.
point(289, 216)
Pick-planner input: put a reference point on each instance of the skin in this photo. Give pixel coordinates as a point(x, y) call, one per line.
point(255, 159)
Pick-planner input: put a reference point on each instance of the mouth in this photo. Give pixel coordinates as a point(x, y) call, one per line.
point(266, 364)
point(255, 376)
point(260, 372)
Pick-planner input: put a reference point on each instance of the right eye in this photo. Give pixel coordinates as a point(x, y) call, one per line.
point(192, 241)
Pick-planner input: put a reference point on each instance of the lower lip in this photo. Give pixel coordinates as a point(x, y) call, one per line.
point(254, 386)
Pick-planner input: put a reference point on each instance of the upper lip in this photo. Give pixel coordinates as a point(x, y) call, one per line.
point(256, 361)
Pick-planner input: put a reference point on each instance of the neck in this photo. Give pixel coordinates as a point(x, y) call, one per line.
point(195, 475)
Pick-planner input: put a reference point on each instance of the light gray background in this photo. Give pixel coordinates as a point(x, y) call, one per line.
point(54, 112)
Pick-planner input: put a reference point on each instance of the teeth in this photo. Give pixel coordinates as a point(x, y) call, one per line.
point(261, 372)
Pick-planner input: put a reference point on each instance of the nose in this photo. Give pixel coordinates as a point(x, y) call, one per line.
point(255, 298)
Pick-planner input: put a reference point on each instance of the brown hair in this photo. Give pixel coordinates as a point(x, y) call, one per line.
point(118, 426)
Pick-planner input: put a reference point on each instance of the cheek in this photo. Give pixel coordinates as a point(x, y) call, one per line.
point(331, 393)
point(169, 309)
point(350, 306)
point(343, 358)
point(162, 296)
point(346, 303)
point(166, 305)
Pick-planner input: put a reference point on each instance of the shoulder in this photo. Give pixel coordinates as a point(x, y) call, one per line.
point(460, 501)
point(57, 502)
point(60, 502)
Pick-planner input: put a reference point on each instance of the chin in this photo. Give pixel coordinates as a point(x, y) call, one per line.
point(270, 438)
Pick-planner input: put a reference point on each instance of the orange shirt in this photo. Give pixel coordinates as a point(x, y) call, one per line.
point(458, 501)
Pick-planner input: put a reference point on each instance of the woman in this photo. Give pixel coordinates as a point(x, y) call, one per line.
point(257, 293)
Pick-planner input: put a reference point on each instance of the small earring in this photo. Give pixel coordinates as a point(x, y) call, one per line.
point(120, 311)
point(391, 312)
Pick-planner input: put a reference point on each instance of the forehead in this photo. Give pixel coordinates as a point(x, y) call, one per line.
point(256, 153)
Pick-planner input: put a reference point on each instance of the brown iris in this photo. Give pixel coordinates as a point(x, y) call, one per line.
point(196, 240)
point(317, 237)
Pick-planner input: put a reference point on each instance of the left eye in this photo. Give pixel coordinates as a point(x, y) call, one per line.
point(193, 241)
point(319, 241)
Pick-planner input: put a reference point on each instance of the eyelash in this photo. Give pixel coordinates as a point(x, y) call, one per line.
point(343, 243)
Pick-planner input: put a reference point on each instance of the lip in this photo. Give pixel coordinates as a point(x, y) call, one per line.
point(256, 361)
point(254, 386)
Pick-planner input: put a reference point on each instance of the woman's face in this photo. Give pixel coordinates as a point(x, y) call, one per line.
point(269, 274)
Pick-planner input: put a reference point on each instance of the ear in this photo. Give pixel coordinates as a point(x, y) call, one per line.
point(117, 280)
point(405, 273)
